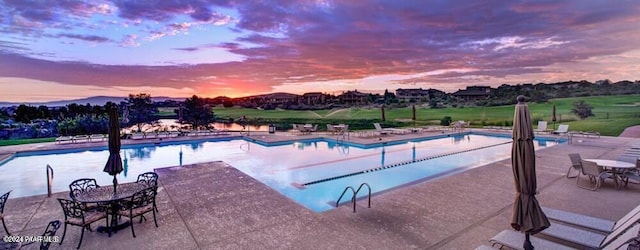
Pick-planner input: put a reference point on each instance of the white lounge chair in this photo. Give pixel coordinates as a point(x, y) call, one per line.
point(137, 136)
point(562, 129)
point(584, 221)
point(542, 127)
point(615, 240)
point(96, 137)
point(79, 138)
point(384, 131)
point(62, 139)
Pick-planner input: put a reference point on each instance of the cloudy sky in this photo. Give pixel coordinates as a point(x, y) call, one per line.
point(52, 50)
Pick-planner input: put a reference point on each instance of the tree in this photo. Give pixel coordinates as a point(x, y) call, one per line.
point(582, 109)
point(196, 112)
point(26, 113)
point(141, 110)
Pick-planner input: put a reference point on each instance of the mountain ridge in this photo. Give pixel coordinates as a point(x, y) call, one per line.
point(93, 100)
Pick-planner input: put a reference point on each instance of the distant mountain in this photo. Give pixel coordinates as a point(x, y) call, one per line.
point(94, 100)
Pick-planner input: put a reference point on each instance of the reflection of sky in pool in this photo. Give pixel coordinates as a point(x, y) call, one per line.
point(277, 166)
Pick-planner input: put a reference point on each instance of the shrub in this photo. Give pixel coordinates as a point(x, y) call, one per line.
point(446, 121)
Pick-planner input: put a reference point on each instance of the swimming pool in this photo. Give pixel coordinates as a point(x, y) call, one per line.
point(311, 172)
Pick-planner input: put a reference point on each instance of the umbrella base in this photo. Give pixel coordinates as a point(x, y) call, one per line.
point(113, 228)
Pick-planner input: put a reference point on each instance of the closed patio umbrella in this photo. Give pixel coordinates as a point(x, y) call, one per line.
point(553, 116)
point(382, 110)
point(527, 214)
point(114, 163)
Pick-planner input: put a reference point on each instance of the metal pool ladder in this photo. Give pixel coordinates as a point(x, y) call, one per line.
point(355, 192)
point(49, 179)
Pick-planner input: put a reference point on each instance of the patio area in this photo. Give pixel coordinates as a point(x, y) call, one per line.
point(215, 206)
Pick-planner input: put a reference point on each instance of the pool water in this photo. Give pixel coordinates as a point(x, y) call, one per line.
point(311, 172)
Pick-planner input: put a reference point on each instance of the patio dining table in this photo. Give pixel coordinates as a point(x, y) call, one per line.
point(618, 167)
point(105, 196)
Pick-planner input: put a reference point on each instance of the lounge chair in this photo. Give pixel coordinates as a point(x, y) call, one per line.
point(79, 138)
point(588, 222)
point(596, 173)
point(542, 127)
point(137, 136)
point(575, 164)
point(62, 139)
point(562, 129)
point(96, 137)
point(586, 239)
point(384, 131)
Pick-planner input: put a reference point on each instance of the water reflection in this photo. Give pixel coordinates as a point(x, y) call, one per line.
point(125, 164)
point(140, 153)
point(180, 156)
point(173, 125)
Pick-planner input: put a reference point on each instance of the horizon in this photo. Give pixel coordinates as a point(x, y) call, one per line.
point(60, 50)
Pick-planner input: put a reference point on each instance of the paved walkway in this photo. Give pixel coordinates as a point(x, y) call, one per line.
point(631, 132)
point(214, 206)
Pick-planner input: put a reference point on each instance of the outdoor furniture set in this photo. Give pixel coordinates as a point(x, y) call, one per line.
point(598, 170)
point(91, 202)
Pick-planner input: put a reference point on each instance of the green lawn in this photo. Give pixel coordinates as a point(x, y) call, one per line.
point(612, 114)
point(25, 141)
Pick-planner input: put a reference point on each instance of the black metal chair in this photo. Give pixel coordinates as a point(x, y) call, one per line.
point(3, 200)
point(84, 185)
point(75, 214)
point(149, 178)
point(81, 186)
point(140, 203)
point(48, 234)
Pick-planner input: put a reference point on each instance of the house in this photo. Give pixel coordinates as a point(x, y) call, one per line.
point(313, 98)
point(472, 93)
point(413, 95)
point(353, 97)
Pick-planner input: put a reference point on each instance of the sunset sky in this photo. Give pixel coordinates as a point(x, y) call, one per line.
point(54, 50)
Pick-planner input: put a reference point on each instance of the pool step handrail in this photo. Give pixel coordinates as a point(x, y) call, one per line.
point(369, 195)
point(353, 198)
point(49, 180)
point(355, 193)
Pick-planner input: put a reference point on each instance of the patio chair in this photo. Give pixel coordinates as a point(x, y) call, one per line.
point(83, 185)
point(140, 203)
point(586, 239)
point(588, 222)
point(3, 201)
point(331, 129)
point(542, 127)
point(575, 165)
point(562, 129)
point(75, 214)
point(49, 232)
point(149, 178)
point(595, 173)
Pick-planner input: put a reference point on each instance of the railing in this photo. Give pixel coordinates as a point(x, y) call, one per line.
point(49, 179)
point(355, 193)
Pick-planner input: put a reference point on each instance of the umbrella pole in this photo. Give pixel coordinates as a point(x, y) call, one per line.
point(115, 184)
point(527, 243)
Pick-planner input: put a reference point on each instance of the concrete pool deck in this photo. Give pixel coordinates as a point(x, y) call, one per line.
point(214, 206)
